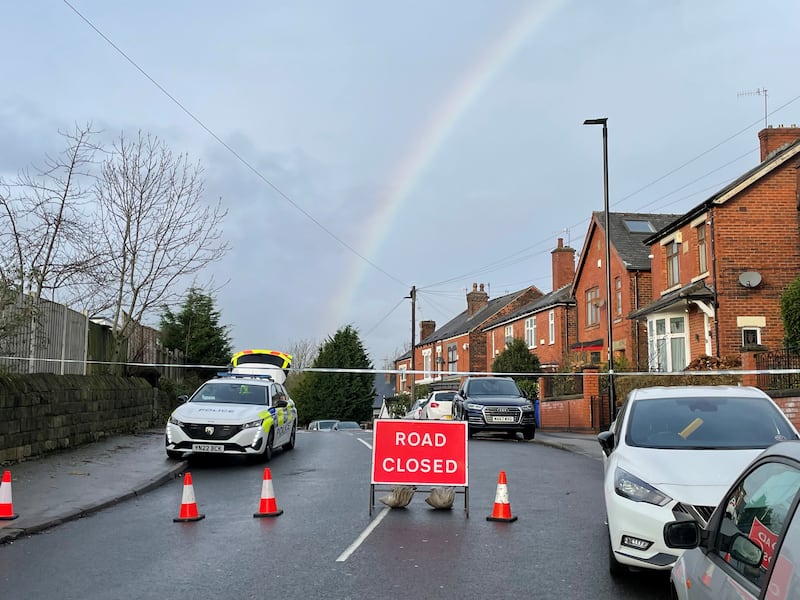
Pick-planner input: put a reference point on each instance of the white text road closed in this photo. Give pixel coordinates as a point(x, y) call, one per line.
point(409, 452)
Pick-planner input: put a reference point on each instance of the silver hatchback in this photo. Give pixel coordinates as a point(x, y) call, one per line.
point(751, 546)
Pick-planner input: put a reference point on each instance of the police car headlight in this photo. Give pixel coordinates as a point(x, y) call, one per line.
point(175, 421)
point(473, 406)
point(256, 423)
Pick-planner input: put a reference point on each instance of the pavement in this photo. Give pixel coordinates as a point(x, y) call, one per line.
point(73, 483)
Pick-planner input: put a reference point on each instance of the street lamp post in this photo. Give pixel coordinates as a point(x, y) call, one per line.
point(611, 395)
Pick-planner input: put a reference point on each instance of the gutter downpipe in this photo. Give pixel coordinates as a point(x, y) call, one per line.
point(714, 279)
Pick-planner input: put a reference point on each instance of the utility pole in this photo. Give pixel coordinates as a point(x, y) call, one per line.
point(413, 297)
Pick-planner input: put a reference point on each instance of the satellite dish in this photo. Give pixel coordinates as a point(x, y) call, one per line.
point(750, 279)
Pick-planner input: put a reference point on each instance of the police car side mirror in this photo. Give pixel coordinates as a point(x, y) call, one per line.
point(281, 404)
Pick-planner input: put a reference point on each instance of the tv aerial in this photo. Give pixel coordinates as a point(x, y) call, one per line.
point(758, 92)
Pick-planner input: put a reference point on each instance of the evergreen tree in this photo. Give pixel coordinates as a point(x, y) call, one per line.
point(196, 331)
point(337, 395)
point(790, 314)
point(517, 358)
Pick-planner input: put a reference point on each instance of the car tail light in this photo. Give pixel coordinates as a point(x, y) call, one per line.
point(434, 405)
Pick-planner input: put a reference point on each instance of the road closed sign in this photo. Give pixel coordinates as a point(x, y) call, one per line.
point(410, 452)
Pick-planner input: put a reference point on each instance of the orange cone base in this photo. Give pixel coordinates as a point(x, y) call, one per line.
point(187, 519)
point(276, 513)
point(10, 517)
point(503, 519)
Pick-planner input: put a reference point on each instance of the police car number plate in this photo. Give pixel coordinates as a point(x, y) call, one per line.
point(208, 448)
point(503, 419)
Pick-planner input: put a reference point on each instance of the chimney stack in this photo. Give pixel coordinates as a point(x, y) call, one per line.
point(426, 328)
point(563, 265)
point(477, 299)
point(773, 138)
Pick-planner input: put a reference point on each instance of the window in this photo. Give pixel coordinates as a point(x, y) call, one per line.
point(509, 334)
point(618, 294)
point(593, 306)
point(403, 374)
point(757, 508)
point(639, 226)
point(551, 317)
point(530, 332)
point(666, 337)
point(426, 362)
point(452, 357)
point(673, 260)
point(751, 336)
point(702, 259)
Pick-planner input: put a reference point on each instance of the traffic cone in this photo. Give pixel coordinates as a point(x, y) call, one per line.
point(502, 508)
point(188, 503)
point(6, 507)
point(268, 507)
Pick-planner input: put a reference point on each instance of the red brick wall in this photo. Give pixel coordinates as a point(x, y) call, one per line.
point(757, 231)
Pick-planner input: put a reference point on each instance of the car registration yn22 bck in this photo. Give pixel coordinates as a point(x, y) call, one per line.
point(208, 448)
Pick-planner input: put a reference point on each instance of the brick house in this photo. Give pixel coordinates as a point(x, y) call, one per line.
point(631, 287)
point(720, 269)
point(548, 324)
point(460, 345)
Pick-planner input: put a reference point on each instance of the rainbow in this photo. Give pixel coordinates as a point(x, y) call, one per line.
point(433, 135)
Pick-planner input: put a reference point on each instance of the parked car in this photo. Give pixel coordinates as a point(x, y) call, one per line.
point(240, 414)
point(439, 405)
point(346, 426)
point(323, 425)
point(495, 404)
point(751, 546)
point(675, 451)
point(415, 412)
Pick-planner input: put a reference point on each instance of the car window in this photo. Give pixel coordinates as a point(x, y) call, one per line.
point(712, 422)
point(493, 387)
point(757, 508)
point(233, 393)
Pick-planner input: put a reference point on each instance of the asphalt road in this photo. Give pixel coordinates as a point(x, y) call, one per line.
point(326, 545)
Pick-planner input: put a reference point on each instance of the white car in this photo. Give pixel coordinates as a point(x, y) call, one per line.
point(245, 414)
point(675, 451)
point(439, 405)
point(415, 412)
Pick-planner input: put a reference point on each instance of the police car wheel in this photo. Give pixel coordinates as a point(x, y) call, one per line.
point(267, 454)
point(290, 444)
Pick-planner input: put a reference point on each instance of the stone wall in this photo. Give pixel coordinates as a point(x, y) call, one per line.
point(41, 413)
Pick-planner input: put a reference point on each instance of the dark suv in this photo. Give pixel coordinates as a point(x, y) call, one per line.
point(495, 404)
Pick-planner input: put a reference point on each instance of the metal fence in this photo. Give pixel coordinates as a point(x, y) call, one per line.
point(778, 360)
point(48, 337)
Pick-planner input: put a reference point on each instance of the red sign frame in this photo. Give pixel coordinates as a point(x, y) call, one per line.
point(411, 452)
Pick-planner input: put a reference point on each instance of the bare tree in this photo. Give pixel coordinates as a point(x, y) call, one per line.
point(43, 220)
point(153, 231)
point(303, 353)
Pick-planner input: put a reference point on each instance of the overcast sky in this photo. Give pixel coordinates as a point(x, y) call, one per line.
point(375, 145)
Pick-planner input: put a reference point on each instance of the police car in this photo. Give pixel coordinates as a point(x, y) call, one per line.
point(245, 411)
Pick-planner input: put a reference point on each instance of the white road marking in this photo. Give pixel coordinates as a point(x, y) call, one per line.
point(360, 539)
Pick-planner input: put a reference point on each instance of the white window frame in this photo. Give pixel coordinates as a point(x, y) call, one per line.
point(618, 294)
point(663, 349)
point(530, 332)
point(427, 363)
point(702, 255)
point(593, 306)
point(403, 373)
point(757, 331)
point(672, 252)
point(551, 325)
point(508, 336)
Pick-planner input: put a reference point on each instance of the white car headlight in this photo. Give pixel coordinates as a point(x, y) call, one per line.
point(256, 423)
point(473, 406)
point(175, 421)
point(631, 487)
